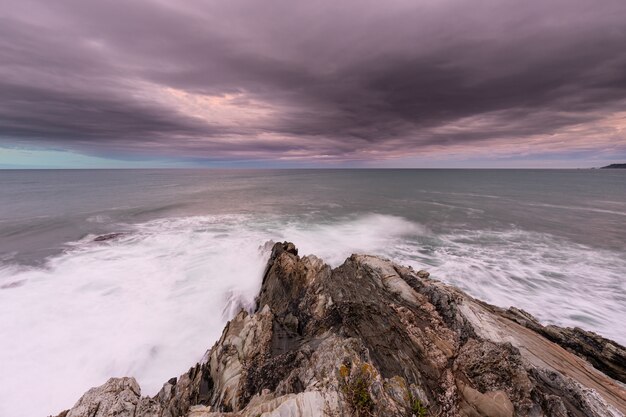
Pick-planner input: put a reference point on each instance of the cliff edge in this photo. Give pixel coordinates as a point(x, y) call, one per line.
point(373, 338)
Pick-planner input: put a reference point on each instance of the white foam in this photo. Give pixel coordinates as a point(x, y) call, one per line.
point(99, 218)
point(335, 241)
point(149, 303)
point(558, 281)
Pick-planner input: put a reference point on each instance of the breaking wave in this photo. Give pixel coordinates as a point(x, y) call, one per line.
point(149, 302)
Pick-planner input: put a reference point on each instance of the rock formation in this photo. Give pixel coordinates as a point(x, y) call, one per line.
point(372, 338)
point(108, 236)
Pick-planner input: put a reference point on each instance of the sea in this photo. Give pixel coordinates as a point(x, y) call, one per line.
point(191, 251)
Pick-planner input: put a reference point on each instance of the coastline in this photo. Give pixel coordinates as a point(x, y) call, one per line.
point(371, 337)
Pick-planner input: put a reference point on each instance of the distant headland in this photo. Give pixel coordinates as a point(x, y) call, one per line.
point(615, 166)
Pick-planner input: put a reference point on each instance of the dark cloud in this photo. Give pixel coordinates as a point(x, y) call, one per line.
point(295, 80)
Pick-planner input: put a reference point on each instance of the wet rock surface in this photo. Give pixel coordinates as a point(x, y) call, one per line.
point(108, 236)
point(372, 338)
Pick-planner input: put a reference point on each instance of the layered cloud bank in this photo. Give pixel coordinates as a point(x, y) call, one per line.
point(333, 82)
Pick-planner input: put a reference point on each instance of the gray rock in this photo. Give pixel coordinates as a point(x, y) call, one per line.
point(118, 397)
point(372, 338)
point(604, 354)
point(108, 236)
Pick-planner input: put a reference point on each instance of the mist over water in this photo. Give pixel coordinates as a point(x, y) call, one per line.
point(74, 312)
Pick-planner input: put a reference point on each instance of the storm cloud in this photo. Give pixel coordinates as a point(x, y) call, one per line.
point(299, 81)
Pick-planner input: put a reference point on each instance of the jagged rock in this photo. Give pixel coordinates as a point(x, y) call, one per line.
point(372, 338)
point(108, 236)
point(118, 397)
point(604, 354)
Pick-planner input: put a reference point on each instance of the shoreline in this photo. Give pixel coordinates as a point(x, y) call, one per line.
point(371, 337)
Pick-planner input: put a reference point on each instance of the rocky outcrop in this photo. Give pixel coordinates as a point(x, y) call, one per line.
point(372, 338)
point(605, 355)
point(108, 236)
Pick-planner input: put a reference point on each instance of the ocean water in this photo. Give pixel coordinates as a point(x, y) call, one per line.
point(74, 312)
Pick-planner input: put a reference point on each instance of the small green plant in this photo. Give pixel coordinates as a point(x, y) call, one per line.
point(417, 409)
point(355, 384)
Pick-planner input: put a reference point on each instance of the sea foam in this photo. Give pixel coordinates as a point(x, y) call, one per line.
point(150, 302)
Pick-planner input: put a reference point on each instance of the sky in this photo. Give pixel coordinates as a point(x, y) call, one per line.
point(397, 83)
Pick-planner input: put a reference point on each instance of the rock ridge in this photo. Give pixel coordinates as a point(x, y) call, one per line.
point(373, 338)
